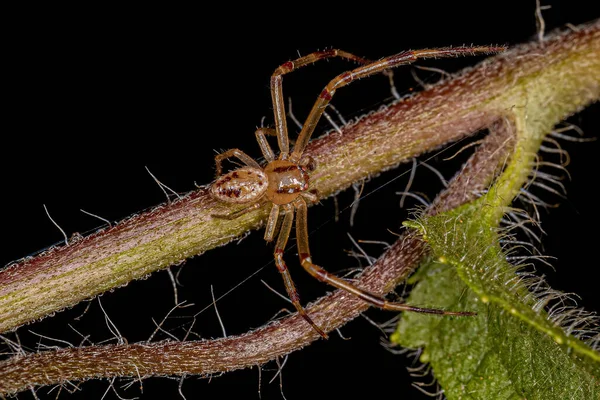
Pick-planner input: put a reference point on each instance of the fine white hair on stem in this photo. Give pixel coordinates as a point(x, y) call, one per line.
point(45, 347)
point(84, 338)
point(375, 324)
point(444, 74)
point(180, 387)
point(548, 189)
point(55, 224)
point(419, 81)
point(415, 196)
point(63, 385)
point(107, 389)
point(189, 331)
point(358, 190)
point(390, 74)
point(560, 135)
point(32, 389)
point(290, 114)
point(112, 385)
point(259, 381)
point(111, 326)
point(14, 346)
point(96, 216)
point(369, 259)
point(281, 375)
point(173, 284)
point(426, 384)
point(465, 147)
point(380, 242)
point(134, 380)
point(339, 332)
point(87, 307)
point(339, 114)
point(159, 326)
point(411, 178)
point(435, 171)
point(539, 258)
point(212, 293)
point(539, 20)
point(332, 122)
point(163, 187)
point(437, 394)
point(276, 292)
point(280, 367)
point(419, 372)
point(554, 165)
point(543, 176)
point(557, 149)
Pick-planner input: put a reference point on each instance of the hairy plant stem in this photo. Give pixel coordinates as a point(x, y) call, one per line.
point(558, 78)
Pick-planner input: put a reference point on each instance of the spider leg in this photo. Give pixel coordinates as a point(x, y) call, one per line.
point(277, 90)
point(239, 213)
point(311, 196)
point(271, 227)
point(284, 234)
point(324, 276)
point(237, 153)
point(265, 148)
point(363, 71)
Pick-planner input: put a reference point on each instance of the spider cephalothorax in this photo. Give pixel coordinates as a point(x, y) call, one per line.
point(284, 180)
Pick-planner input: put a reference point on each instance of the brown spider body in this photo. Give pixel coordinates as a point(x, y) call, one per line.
point(280, 182)
point(284, 180)
point(242, 186)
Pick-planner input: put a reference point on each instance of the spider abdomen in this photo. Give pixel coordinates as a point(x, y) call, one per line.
point(244, 185)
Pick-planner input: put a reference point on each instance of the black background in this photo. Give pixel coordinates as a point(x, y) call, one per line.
point(95, 95)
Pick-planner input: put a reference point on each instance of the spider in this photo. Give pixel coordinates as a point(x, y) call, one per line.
point(284, 181)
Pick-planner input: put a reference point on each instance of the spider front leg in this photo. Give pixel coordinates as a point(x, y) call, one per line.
point(324, 276)
point(364, 71)
point(261, 138)
point(237, 153)
point(282, 239)
point(277, 90)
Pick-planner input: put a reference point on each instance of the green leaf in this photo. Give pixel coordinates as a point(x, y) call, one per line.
point(526, 342)
point(513, 349)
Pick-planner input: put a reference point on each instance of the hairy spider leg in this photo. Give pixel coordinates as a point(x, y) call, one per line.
point(284, 234)
point(384, 64)
point(271, 227)
point(237, 153)
point(239, 213)
point(277, 90)
point(335, 281)
point(265, 148)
